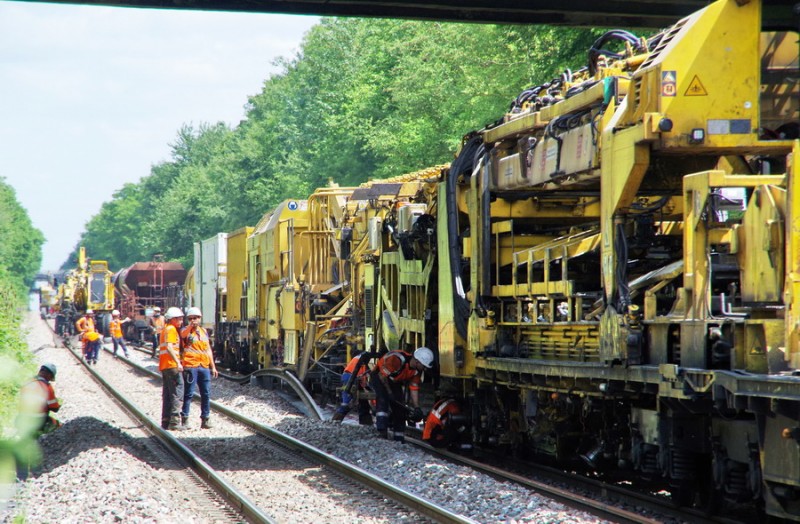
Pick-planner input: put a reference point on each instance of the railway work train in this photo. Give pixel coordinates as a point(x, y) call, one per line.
point(87, 286)
point(608, 275)
point(135, 291)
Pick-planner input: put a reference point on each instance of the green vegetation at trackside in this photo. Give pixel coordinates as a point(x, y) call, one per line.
point(362, 99)
point(20, 258)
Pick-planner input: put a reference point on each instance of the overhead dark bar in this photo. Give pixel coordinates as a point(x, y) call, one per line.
point(610, 13)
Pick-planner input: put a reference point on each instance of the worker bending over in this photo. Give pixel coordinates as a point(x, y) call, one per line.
point(394, 370)
point(358, 366)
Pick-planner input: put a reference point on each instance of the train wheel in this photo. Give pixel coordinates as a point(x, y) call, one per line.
point(698, 491)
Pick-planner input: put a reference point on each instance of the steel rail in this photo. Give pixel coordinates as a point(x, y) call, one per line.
point(232, 496)
point(597, 507)
point(313, 410)
point(411, 501)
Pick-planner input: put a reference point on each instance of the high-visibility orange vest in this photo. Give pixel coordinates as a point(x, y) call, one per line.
point(394, 366)
point(168, 336)
point(196, 347)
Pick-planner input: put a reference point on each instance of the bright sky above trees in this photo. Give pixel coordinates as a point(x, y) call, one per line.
point(91, 97)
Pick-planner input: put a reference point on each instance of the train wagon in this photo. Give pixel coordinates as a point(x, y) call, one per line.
point(143, 286)
point(607, 275)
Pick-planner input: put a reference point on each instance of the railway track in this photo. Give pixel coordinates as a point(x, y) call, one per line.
point(592, 495)
point(218, 500)
point(284, 452)
point(606, 501)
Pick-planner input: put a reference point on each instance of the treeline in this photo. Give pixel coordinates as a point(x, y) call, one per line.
point(20, 258)
point(362, 99)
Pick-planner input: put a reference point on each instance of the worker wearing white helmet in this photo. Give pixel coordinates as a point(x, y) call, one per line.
point(198, 365)
point(115, 329)
point(156, 323)
point(394, 370)
point(89, 337)
point(37, 400)
point(169, 363)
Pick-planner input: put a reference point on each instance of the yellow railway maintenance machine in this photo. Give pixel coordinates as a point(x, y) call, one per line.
point(629, 263)
point(608, 275)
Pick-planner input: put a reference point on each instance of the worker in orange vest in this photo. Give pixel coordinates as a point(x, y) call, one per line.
point(115, 329)
point(171, 368)
point(446, 426)
point(199, 367)
point(394, 370)
point(156, 323)
point(359, 366)
point(37, 400)
point(89, 336)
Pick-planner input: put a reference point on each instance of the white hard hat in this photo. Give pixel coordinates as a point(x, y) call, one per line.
point(156, 308)
point(425, 356)
point(51, 368)
point(194, 312)
point(173, 312)
point(115, 313)
point(89, 312)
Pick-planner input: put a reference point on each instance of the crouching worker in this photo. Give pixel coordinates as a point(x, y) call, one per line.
point(446, 426)
point(392, 371)
point(358, 367)
point(89, 336)
point(37, 401)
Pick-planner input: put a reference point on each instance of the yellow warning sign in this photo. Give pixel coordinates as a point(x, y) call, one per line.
point(695, 88)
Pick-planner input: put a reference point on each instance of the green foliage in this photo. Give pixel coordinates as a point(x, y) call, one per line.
point(21, 248)
point(363, 99)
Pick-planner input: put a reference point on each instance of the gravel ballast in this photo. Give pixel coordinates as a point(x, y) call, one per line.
point(96, 468)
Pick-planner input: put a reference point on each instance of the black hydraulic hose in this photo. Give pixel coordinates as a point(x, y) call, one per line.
point(463, 164)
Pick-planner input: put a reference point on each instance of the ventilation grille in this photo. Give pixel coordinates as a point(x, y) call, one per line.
point(663, 43)
point(369, 308)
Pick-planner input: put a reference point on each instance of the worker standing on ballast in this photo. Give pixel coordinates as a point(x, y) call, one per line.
point(392, 371)
point(171, 368)
point(199, 367)
point(115, 328)
point(156, 323)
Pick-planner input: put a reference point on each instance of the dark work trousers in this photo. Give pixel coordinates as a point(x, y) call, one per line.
point(384, 407)
point(171, 397)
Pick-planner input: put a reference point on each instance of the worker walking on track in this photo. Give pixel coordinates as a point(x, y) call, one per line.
point(37, 400)
point(392, 371)
point(357, 365)
point(156, 323)
point(199, 367)
point(89, 337)
point(115, 328)
point(169, 363)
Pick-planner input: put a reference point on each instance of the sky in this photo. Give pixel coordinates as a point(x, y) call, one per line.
point(92, 97)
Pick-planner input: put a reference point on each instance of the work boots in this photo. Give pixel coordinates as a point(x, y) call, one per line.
point(185, 422)
point(206, 423)
point(337, 417)
point(365, 419)
point(175, 424)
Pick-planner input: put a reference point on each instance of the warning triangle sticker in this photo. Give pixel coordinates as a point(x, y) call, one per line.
point(668, 76)
point(696, 88)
